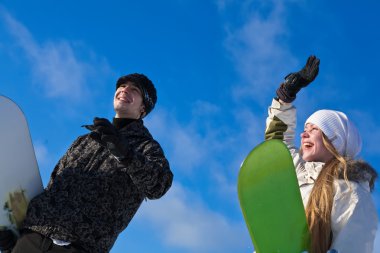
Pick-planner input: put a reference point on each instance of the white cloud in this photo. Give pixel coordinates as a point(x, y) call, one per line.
point(222, 4)
point(205, 108)
point(190, 226)
point(196, 144)
point(368, 128)
point(182, 219)
point(57, 70)
point(253, 125)
point(184, 145)
point(258, 49)
point(207, 153)
point(250, 134)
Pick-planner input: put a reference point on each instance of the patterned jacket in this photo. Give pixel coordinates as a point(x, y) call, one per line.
point(91, 197)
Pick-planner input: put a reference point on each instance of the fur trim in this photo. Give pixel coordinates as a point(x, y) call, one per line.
point(359, 171)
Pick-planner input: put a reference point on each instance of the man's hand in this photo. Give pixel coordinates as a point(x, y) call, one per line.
point(294, 82)
point(107, 135)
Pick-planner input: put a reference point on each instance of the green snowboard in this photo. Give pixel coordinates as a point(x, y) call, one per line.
point(271, 201)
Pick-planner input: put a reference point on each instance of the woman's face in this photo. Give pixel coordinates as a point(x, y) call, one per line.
point(313, 149)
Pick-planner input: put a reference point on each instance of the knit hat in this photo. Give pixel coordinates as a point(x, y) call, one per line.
point(146, 87)
point(339, 130)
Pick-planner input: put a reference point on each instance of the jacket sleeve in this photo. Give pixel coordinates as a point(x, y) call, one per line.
point(150, 170)
point(281, 124)
point(354, 218)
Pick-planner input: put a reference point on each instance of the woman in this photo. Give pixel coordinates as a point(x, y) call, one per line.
point(335, 187)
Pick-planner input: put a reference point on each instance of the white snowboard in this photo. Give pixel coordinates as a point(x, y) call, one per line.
point(20, 178)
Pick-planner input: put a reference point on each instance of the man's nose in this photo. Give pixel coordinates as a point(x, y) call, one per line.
point(126, 88)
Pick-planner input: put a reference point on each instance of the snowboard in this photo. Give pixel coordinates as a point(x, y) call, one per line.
point(271, 200)
point(20, 178)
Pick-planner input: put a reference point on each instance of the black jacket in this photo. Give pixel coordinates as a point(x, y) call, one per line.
point(91, 197)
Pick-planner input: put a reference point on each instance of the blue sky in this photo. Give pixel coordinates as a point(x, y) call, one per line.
point(216, 65)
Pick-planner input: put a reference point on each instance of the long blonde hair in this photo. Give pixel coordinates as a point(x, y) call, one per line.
point(319, 206)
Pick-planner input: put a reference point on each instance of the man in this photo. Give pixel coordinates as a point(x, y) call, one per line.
point(98, 185)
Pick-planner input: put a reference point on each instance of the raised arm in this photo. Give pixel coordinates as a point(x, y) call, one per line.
point(281, 121)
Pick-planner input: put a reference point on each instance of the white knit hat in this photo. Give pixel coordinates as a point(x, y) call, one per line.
point(339, 130)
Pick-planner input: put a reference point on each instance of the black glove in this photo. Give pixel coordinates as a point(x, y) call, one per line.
point(107, 135)
point(295, 81)
point(7, 240)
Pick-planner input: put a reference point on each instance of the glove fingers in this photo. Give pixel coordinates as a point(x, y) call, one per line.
point(89, 127)
point(102, 125)
point(101, 121)
point(310, 60)
point(105, 130)
point(97, 120)
point(311, 69)
point(295, 81)
point(313, 61)
point(315, 64)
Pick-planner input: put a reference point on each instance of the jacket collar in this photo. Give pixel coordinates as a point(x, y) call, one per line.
point(135, 128)
point(357, 171)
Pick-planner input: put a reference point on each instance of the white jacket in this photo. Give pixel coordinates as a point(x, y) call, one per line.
point(354, 218)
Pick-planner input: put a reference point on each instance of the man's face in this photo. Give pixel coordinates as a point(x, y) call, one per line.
point(128, 102)
point(313, 148)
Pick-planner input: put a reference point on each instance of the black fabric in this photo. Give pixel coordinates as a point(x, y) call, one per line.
point(108, 136)
point(294, 82)
point(91, 197)
point(7, 240)
point(119, 123)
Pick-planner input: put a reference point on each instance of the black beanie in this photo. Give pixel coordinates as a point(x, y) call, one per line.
point(146, 86)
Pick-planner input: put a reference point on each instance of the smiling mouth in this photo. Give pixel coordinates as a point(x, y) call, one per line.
point(307, 145)
point(122, 99)
point(125, 98)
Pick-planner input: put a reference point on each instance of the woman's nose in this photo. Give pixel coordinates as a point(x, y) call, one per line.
point(304, 134)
